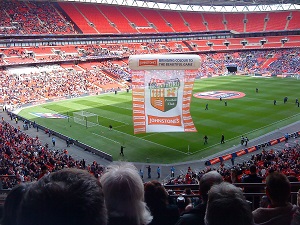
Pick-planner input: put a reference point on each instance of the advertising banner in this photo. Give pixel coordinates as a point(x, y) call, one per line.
point(161, 92)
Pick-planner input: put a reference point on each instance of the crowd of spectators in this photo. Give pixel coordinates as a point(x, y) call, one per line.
point(19, 17)
point(286, 161)
point(58, 83)
point(285, 61)
point(265, 62)
point(120, 197)
point(27, 159)
point(110, 74)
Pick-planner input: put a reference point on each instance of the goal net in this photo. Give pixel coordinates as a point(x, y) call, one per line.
point(85, 118)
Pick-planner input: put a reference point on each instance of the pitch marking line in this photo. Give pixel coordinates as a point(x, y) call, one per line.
point(120, 126)
point(113, 119)
point(148, 135)
point(106, 138)
point(111, 104)
point(173, 149)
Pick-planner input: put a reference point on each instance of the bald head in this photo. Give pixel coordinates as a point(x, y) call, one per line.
point(207, 181)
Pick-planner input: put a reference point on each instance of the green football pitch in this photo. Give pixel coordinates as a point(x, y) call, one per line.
point(251, 116)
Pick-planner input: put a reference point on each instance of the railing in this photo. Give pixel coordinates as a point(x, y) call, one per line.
point(179, 189)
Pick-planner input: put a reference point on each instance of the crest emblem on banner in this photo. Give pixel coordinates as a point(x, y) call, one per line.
point(164, 93)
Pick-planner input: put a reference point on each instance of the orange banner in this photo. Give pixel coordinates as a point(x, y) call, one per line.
point(161, 100)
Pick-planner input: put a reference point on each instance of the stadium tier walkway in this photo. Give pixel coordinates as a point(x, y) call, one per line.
point(180, 168)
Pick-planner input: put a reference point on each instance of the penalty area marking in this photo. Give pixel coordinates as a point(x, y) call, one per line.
point(106, 138)
point(173, 149)
point(113, 119)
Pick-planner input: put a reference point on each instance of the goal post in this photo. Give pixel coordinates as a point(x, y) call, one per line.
point(85, 118)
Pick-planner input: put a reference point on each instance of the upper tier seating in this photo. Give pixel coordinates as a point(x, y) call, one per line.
point(194, 20)
point(117, 19)
point(97, 19)
point(77, 17)
point(277, 21)
point(20, 17)
point(215, 21)
point(255, 22)
point(294, 22)
point(33, 18)
point(175, 20)
point(235, 22)
point(155, 18)
point(139, 21)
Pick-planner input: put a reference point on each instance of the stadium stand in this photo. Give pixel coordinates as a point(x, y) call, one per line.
point(116, 19)
point(89, 69)
point(214, 21)
point(255, 22)
point(235, 22)
point(194, 20)
point(175, 20)
point(138, 21)
point(277, 21)
point(96, 18)
point(33, 18)
point(78, 18)
point(156, 20)
point(293, 22)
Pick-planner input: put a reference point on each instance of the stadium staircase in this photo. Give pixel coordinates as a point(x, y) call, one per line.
point(116, 18)
point(235, 22)
point(214, 21)
point(77, 18)
point(294, 22)
point(136, 20)
point(175, 20)
point(277, 21)
point(194, 20)
point(66, 16)
point(188, 46)
point(156, 20)
point(268, 62)
point(255, 22)
point(110, 74)
point(98, 21)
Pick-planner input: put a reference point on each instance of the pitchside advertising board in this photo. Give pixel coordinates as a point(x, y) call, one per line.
point(161, 92)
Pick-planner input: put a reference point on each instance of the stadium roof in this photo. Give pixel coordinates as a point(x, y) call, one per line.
point(205, 5)
point(228, 3)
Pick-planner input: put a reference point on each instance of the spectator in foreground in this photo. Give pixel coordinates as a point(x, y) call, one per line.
point(196, 215)
point(156, 198)
point(280, 211)
point(65, 197)
point(124, 195)
point(296, 217)
point(253, 178)
point(12, 203)
point(227, 205)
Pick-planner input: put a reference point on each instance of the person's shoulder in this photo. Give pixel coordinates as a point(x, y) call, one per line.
point(198, 210)
point(194, 216)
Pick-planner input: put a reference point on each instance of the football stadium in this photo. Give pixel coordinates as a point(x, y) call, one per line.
point(182, 87)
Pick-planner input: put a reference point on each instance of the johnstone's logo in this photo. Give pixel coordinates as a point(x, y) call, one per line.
point(148, 62)
point(164, 93)
point(219, 94)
